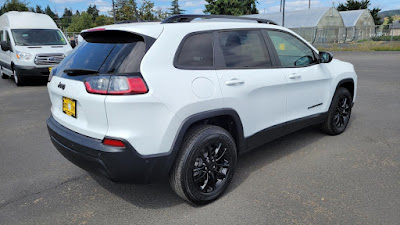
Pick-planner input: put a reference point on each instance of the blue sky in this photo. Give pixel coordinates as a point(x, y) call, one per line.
point(197, 6)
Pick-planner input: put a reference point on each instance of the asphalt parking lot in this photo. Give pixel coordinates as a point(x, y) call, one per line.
point(303, 178)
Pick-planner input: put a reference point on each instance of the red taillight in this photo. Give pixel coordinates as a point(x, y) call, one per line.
point(96, 29)
point(116, 85)
point(113, 142)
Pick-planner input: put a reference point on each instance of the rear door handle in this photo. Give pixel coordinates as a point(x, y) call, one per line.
point(234, 82)
point(294, 76)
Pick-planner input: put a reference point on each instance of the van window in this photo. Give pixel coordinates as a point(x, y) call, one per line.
point(244, 49)
point(1, 35)
point(197, 52)
point(8, 39)
point(38, 37)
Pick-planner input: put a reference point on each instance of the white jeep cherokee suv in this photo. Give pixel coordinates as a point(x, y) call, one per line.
point(182, 98)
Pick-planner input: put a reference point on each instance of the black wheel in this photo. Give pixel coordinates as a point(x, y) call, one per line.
point(339, 113)
point(17, 79)
point(205, 165)
point(4, 76)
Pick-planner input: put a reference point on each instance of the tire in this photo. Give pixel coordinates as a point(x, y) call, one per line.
point(202, 172)
point(17, 79)
point(3, 75)
point(339, 113)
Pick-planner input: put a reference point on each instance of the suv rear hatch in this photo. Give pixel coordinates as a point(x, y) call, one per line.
point(100, 66)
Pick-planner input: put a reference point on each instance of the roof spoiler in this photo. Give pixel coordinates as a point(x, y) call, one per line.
point(190, 17)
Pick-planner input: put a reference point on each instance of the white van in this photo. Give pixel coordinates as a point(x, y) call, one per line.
point(31, 45)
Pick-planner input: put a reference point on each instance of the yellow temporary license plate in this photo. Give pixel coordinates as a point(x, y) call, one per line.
point(69, 106)
point(50, 68)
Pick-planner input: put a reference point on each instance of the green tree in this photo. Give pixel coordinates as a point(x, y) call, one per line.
point(390, 19)
point(66, 18)
point(92, 10)
point(77, 13)
point(14, 5)
point(81, 22)
point(50, 13)
point(175, 9)
point(102, 20)
point(39, 9)
point(126, 10)
point(231, 7)
point(362, 4)
point(146, 11)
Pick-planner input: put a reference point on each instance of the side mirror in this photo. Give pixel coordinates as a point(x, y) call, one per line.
point(325, 57)
point(5, 46)
point(72, 43)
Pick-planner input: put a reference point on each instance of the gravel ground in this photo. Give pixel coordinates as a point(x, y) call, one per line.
point(303, 178)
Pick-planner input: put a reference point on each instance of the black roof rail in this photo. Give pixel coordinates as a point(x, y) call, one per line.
point(190, 17)
point(136, 21)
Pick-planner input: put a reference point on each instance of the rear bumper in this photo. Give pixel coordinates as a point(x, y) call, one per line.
point(117, 164)
point(32, 71)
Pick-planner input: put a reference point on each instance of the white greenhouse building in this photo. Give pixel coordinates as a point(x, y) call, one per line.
point(359, 24)
point(319, 25)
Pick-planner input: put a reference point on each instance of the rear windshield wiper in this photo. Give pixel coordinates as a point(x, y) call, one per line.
point(77, 72)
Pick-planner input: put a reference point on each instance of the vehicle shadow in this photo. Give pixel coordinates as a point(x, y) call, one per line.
point(27, 82)
point(160, 195)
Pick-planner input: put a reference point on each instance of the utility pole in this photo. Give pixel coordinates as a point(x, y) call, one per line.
point(309, 4)
point(114, 11)
point(280, 9)
point(283, 13)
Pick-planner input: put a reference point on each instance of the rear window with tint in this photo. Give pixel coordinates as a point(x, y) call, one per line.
point(196, 52)
point(106, 58)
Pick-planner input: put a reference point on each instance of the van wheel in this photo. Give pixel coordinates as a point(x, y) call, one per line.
point(205, 165)
point(3, 75)
point(17, 79)
point(339, 113)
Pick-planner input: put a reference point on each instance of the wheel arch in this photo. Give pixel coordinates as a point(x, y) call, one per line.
point(226, 118)
point(347, 83)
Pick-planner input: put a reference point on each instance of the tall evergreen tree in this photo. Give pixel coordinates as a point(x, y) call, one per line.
point(39, 9)
point(175, 9)
point(92, 10)
point(231, 7)
point(66, 18)
point(50, 13)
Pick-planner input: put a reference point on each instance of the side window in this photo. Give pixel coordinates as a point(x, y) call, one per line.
point(291, 51)
point(1, 35)
point(197, 52)
point(244, 49)
point(8, 39)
